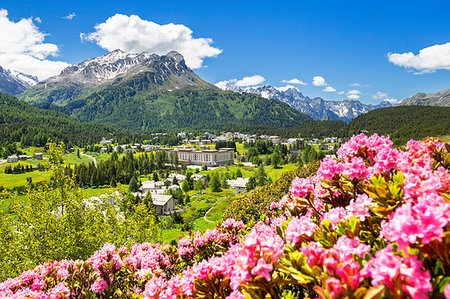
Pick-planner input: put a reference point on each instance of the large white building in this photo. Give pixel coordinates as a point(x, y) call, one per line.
point(189, 155)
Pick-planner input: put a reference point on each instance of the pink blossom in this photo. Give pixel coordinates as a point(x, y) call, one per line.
point(386, 267)
point(298, 227)
point(99, 286)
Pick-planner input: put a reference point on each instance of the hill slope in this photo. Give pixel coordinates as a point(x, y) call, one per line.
point(20, 121)
point(440, 98)
point(167, 72)
point(143, 92)
point(404, 122)
point(130, 106)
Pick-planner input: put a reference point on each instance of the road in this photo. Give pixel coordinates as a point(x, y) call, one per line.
point(95, 161)
point(207, 214)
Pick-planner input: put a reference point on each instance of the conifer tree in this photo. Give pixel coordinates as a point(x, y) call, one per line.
point(214, 183)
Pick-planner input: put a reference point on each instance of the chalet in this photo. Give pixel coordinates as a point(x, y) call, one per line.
point(275, 139)
point(238, 184)
point(38, 156)
point(179, 177)
point(105, 141)
point(103, 150)
point(12, 159)
point(23, 157)
point(152, 186)
point(163, 203)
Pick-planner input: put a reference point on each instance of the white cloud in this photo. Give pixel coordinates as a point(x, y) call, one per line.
point(133, 34)
point(250, 81)
point(38, 20)
point(69, 16)
point(381, 96)
point(294, 81)
point(224, 84)
point(341, 92)
point(353, 91)
point(319, 81)
point(354, 84)
point(284, 88)
point(329, 89)
point(428, 60)
point(22, 48)
point(353, 94)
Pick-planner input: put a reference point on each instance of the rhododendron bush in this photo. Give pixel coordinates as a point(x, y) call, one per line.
point(372, 223)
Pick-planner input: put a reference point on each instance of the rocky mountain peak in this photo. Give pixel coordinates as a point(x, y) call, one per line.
point(13, 82)
point(317, 108)
point(175, 55)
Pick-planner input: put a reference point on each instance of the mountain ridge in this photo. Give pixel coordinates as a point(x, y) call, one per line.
point(14, 82)
point(317, 108)
point(440, 98)
point(99, 72)
point(146, 91)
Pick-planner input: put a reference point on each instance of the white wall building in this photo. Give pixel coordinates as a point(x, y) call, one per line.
point(188, 155)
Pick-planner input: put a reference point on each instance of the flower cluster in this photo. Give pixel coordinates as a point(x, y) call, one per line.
point(375, 220)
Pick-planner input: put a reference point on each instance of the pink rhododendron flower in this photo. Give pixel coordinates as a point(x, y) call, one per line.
point(99, 286)
point(386, 267)
point(298, 227)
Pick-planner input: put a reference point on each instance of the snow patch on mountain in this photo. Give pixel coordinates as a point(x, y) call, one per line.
point(13, 82)
point(317, 108)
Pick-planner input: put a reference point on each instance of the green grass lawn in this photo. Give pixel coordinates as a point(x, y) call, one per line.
point(195, 211)
point(102, 157)
point(13, 180)
point(274, 174)
point(72, 159)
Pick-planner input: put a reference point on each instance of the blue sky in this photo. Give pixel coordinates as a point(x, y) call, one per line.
point(343, 42)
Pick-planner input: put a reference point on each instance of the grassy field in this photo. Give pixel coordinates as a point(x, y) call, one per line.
point(14, 180)
point(195, 211)
point(273, 173)
point(73, 159)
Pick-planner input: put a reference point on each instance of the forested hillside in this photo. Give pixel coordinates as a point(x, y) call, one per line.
point(22, 122)
point(404, 122)
point(129, 105)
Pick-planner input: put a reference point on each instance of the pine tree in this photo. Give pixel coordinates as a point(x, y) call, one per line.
point(187, 199)
point(214, 183)
point(155, 176)
point(133, 185)
point(185, 186)
point(275, 159)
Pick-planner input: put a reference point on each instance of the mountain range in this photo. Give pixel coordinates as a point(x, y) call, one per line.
point(13, 82)
point(440, 98)
point(165, 73)
point(144, 92)
point(317, 108)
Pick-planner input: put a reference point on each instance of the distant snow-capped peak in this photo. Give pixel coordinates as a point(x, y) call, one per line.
point(317, 108)
point(14, 82)
point(104, 69)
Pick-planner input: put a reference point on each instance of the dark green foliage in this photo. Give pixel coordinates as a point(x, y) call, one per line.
point(134, 187)
point(214, 183)
point(135, 106)
point(403, 123)
point(21, 122)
